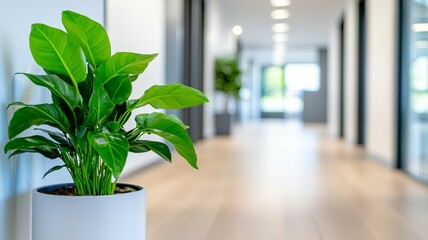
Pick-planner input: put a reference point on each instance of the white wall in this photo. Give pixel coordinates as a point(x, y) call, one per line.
point(381, 72)
point(139, 26)
point(19, 176)
point(333, 81)
point(381, 64)
point(351, 71)
point(218, 42)
point(350, 74)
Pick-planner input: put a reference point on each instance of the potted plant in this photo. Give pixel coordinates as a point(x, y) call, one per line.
point(226, 81)
point(85, 129)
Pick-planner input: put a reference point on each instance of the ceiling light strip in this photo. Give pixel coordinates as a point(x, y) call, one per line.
point(280, 3)
point(280, 14)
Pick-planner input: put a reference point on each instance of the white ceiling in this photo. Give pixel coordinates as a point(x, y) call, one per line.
point(310, 21)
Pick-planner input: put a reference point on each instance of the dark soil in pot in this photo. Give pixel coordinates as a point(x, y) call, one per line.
point(70, 190)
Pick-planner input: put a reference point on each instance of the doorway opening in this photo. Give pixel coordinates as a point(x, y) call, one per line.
point(283, 88)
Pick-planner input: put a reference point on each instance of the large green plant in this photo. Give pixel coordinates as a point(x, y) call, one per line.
point(227, 74)
point(90, 94)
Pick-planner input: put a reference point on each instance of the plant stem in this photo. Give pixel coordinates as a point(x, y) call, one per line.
point(226, 103)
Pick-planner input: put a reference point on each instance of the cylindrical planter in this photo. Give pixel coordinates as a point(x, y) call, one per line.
point(223, 122)
point(113, 217)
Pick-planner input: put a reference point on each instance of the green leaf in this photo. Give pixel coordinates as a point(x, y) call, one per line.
point(58, 137)
point(177, 120)
point(159, 148)
point(82, 139)
point(57, 87)
point(133, 77)
point(123, 63)
point(48, 153)
point(113, 149)
point(85, 87)
point(53, 50)
point(172, 96)
point(29, 142)
point(113, 127)
point(65, 78)
point(119, 89)
point(35, 115)
point(100, 105)
point(20, 104)
point(167, 127)
point(36, 143)
point(90, 35)
point(53, 169)
point(227, 74)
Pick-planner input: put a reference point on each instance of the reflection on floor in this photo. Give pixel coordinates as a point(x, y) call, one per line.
point(276, 180)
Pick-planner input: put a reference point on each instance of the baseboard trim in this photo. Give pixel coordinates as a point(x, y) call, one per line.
point(382, 161)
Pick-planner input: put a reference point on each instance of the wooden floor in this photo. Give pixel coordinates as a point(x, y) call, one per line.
point(277, 180)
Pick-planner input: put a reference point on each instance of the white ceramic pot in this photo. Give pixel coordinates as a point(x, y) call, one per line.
point(114, 217)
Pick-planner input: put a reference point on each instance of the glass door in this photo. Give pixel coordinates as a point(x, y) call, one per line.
point(415, 87)
point(273, 87)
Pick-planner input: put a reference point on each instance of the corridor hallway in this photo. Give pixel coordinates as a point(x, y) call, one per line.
point(277, 180)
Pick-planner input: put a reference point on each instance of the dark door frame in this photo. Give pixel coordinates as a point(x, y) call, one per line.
point(361, 121)
point(402, 84)
point(193, 62)
point(342, 78)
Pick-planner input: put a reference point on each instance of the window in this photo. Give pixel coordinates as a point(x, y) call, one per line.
point(273, 90)
point(283, 87)
point(415, 87)
point(302, 77)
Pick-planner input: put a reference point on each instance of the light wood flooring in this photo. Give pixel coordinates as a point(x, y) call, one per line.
point(280, 180)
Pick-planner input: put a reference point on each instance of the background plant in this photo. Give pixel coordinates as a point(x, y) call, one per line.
point(90, 104)
point(227, 74)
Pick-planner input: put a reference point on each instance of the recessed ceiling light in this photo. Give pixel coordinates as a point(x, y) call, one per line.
point(280, 37)
point(280, 27)
point(237, 30)
point(280, 14)
point(280, 3)
point(420, 27)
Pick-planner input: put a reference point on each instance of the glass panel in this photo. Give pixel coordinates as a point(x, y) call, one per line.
point(283, 87)
point(302, 77)
point(417, 109)
point(273, 89)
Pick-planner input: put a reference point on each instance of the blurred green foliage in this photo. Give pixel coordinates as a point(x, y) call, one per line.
point(227, 75)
